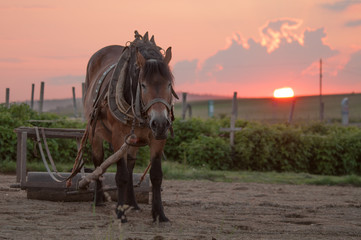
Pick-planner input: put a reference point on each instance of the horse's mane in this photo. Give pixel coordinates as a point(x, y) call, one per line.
point(154, 65)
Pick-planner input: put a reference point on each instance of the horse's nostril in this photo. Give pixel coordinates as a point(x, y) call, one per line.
point(153, 124)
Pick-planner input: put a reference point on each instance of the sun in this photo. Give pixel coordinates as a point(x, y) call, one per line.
point(286, 92)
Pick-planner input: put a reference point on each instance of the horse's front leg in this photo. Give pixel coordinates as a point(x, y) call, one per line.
point(122, 179)
point(156, 177)
point(131, 200)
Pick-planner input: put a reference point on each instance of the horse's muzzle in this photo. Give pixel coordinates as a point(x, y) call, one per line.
point(159, 127)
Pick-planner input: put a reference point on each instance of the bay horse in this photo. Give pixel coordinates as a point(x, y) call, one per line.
point(129, 89)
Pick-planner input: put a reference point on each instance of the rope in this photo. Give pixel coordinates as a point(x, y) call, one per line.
point(78, 164)
point(49, 154)
point(38, 140)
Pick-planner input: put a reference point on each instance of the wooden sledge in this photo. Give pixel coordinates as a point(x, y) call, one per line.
point(41, 186)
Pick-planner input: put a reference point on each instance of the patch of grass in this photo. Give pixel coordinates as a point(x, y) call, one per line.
point(178, 171)
point(350, 180)
point(7, 166)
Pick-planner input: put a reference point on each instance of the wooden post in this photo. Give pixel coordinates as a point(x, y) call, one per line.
point(74, 104)
point(321, 102)
point(83, 91)
point(292, 110)
point(21, 158)
point(32, 96)
point(233, 117)
point(7, 98)
point(345, 111)
point(233, 128)
point(210, 108)
point(185, 106)
point(41, 97)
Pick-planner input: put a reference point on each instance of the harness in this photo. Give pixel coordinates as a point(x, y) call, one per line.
point(130, 114)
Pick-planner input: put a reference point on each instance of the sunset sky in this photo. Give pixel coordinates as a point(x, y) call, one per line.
point(252, 47)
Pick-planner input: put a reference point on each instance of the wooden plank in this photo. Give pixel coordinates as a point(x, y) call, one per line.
point(53, 132)
point(230, 129)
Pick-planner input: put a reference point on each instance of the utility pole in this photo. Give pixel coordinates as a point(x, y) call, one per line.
point(321, 102)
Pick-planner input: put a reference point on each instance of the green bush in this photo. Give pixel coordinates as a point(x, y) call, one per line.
point(213, 152)
point(187, 130)
point(316, 148)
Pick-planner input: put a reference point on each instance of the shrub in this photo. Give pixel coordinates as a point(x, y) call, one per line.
point(317, 148)
point(213, 152)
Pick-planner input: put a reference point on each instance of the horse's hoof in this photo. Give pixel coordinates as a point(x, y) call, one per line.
point(163, 219)
point(120, 211)
point(124, 219)
point(136, 208)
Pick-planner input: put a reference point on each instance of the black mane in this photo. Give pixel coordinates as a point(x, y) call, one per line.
point(154, 65)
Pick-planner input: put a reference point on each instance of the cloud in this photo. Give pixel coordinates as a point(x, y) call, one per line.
point(353, 23)
point(349, 76)
point(185, 71)
point(280, 28)
point(281, 58)
point(11, 60)
point(14, 5)
point(65, 80)
point(340, 5)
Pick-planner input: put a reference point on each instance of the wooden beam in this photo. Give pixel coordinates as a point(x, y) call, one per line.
point(53, 132)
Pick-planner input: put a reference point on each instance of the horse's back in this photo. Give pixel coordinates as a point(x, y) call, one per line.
point(101, 59)
point(97, 65)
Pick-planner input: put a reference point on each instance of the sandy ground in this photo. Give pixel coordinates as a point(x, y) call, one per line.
point(197, 210)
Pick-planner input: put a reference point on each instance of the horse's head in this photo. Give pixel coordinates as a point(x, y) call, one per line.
point(155, 85)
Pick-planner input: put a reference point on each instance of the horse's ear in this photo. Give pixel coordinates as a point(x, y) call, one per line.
point(145, 37)
point(152, 40)
point(168, 55)
point(140, 59)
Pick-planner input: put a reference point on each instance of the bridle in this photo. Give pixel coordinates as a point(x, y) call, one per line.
point(140, 109)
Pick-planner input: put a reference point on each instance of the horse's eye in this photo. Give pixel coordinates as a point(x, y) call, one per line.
point(169, 85)
point(143, 85)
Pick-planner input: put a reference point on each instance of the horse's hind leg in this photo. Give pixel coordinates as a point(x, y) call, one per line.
point(97, 158)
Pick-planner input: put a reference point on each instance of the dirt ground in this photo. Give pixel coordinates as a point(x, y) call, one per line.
point(197, 210)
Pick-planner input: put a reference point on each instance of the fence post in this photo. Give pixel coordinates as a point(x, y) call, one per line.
point(7, 98)
point(290, 118)
point(32, 96)
point(210, 108)
point(74, 104)
point(83, 90)
point(41, 97)
point(233, 117)
point(344, 111)
point(185, 106)
point(233, 128)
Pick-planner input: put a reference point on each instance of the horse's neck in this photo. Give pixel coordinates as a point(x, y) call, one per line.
point(127, 89)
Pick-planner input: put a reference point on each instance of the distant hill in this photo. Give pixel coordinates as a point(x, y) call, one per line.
point(306, 108)
point(65, 106)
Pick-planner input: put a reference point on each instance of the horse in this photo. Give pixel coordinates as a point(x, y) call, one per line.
point(129, 89)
